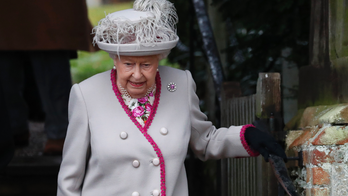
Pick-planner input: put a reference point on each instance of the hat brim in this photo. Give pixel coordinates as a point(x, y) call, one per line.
point(136, 49)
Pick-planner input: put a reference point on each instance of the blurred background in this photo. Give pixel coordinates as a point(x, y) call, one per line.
point(300, 47)
point(251, 36)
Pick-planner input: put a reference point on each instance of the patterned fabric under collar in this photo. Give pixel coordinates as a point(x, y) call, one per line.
point(143, 129)
point(142, 107)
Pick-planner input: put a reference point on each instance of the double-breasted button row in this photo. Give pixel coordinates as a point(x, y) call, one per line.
point(155, 162)
point(124, 135)
point(154, 193)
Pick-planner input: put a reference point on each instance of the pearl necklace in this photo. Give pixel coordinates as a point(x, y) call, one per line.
point(125, 93)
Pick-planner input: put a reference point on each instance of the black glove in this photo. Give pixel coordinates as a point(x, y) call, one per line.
point(264, 143)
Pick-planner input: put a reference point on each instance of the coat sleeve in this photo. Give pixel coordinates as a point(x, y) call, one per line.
point(206, 141)
point(76, 147)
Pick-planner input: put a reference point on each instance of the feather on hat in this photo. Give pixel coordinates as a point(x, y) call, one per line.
point(147, 29)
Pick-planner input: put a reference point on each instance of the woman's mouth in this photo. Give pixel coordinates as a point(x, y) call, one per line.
point(136, 84)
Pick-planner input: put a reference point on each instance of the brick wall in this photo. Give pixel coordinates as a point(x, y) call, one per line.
point(323, 139)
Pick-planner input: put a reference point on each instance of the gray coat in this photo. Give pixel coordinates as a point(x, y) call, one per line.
point(98, 161)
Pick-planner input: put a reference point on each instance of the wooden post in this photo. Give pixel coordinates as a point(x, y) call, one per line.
point(268, 102)
point(319, 34)
point(324, 81)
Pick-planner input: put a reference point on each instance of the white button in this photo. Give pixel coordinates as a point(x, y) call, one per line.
point(155, 161)
point(123, 135)
point(135, 193)
point(164, 131)
point(136, 163)
point(155, 192)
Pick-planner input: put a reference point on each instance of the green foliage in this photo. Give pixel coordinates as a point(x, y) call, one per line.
point(259, 31)
point(89, 64)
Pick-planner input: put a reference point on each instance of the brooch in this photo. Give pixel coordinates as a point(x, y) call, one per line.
point(171, 87)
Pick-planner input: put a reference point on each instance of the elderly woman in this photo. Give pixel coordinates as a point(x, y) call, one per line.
point(130, 128)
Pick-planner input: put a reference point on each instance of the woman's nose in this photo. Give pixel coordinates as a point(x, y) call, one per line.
point(137, 72)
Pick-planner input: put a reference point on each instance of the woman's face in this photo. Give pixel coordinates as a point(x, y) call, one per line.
point(136, 73)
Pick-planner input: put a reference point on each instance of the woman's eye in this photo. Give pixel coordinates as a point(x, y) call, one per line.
point(146, 65)
point(128, 64)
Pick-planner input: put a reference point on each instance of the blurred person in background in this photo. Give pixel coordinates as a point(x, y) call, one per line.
point(43, 35)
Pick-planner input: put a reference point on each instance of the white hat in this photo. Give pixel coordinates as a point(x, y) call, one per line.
point(147, 29)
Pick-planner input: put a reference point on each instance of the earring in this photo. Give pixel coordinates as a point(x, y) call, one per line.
point(157, 69)
point(114, 67)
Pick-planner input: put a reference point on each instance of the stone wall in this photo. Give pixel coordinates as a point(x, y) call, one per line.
point(322, 138)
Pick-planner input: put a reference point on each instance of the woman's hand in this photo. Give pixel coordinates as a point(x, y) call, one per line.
point(264, 143)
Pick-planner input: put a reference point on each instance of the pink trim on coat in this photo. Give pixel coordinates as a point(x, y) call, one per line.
point(147, 124)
